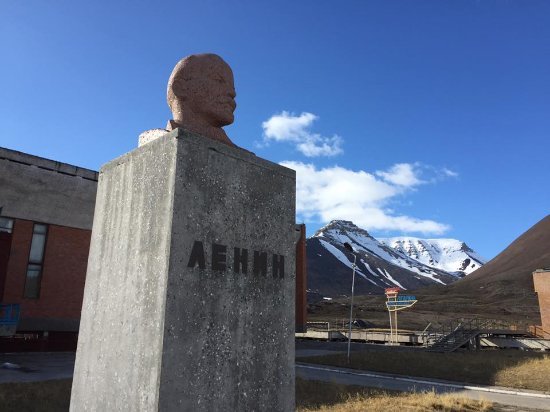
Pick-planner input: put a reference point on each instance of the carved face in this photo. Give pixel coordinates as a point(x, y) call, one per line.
point(213, 94)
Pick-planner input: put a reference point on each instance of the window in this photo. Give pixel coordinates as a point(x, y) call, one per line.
point(6, 225)
point(36, 260)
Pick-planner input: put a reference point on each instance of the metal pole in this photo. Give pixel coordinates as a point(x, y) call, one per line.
point(391, 328)
point(351, 306)
point(396, 335)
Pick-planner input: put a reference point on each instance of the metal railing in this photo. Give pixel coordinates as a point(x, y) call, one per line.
point(538, 332)
point(459, 331)
point(319, 326)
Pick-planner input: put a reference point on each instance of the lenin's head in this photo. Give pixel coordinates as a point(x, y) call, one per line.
point(201, 94)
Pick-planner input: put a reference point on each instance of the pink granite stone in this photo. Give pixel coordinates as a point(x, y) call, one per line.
point(201, 95)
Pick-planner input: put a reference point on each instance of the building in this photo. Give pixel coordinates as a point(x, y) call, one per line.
point(541, 279)
point(301, 280)
point(46, 213)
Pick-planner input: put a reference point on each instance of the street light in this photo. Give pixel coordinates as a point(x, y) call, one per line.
point(353, 251)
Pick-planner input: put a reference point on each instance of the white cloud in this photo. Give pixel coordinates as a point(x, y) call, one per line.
point(402, 174)
point(449, 173)
point(339, 193)
point(286, 127)
point(414, 174)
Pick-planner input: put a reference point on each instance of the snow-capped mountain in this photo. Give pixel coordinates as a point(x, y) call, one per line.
point(450, 255)
point(379, 264)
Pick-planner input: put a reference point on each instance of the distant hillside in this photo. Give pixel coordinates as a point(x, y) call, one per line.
point(503, 287)
point(510, 273)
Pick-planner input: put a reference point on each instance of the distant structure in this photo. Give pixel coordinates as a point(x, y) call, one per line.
point(541, 279)
point(395, 303)
point(46, 213)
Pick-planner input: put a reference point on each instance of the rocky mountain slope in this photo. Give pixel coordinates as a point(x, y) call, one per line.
point(379, 264)
point(502, 288)
point(510, 272)
point(450, 255)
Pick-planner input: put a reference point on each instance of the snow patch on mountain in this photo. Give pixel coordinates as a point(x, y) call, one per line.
point(337, 253)
point(379, 265)
point(450, 255)
point(341, 231)
point(369, 269)
point(393, 280)
point(342, 258)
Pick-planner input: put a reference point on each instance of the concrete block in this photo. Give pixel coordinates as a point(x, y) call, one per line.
point(42, 190)
point(190, 291)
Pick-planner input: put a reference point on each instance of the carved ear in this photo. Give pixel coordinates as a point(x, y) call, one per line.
point(178, 88)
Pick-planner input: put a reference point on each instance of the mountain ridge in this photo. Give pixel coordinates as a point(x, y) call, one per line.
point(451, 255)
point(379, 264)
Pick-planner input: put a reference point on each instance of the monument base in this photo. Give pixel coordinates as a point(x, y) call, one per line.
point(189, 298)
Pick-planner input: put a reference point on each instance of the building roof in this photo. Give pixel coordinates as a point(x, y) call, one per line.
point(47, 164)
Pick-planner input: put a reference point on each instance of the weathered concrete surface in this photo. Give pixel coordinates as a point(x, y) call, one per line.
point(43, 190)
point(121, 327)
point(150, 135)
point(160, 328)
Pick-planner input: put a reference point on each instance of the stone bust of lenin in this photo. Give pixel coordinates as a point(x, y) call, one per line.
point(201, 96)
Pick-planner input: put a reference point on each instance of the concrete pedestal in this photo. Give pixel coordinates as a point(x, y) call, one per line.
point(189, 297)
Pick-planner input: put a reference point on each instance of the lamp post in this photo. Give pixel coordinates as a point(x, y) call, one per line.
point(350, 248)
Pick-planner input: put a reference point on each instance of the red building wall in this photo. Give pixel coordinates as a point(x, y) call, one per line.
point(63, 275)
point(301, 281)
point(541, 279)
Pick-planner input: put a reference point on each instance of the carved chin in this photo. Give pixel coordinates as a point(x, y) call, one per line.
point(225, 119)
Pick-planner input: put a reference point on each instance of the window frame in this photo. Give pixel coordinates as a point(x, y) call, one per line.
point(33, 263)
point(6, 229)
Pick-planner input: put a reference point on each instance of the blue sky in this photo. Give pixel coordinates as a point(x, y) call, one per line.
point(426, 118)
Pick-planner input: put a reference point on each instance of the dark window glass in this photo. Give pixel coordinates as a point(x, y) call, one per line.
point(32, 284)
point(6, 225)
point(36, 259)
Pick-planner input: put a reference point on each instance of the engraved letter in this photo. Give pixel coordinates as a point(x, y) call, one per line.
point(260, 263)
point(197, 256)
point(218, 257)
point(240, 260)
point(278, 266)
